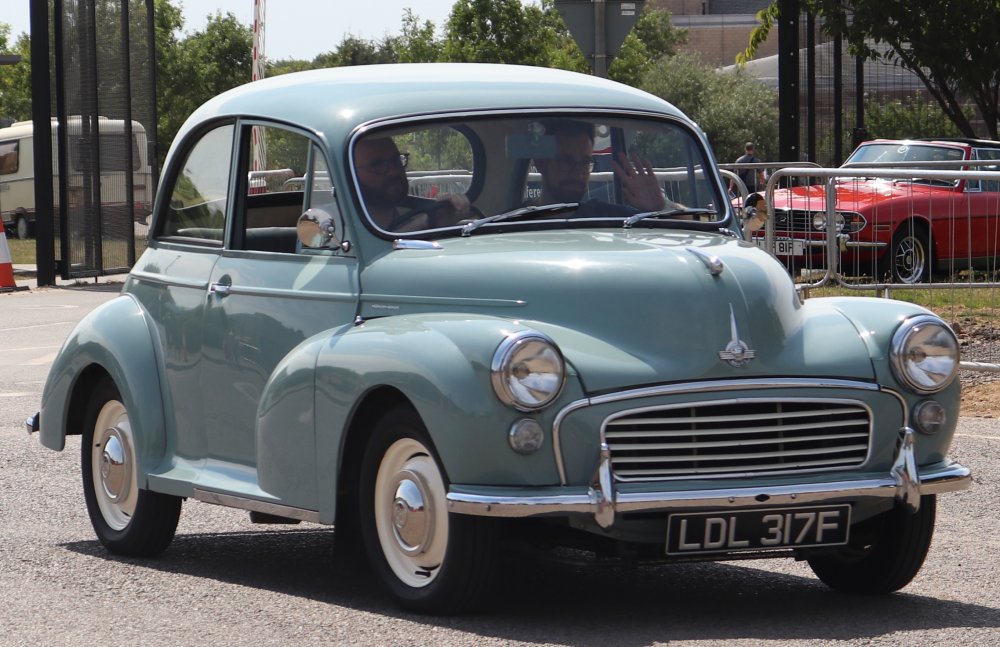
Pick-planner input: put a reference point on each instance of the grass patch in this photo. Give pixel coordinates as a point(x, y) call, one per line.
point(22, 252)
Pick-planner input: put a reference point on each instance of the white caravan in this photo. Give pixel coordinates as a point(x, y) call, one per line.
point(17, 172)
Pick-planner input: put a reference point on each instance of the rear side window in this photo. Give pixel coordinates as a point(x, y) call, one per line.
point(199, 197)
point(8, 157)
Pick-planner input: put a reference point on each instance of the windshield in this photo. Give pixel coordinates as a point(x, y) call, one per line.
point(885, 153)
point(574, 170)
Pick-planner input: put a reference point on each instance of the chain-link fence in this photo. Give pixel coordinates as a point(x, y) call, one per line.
point(103, 131)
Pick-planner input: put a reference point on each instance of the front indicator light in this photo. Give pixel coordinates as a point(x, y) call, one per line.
point(526, 436)
point(924, 354)
point(930, 416)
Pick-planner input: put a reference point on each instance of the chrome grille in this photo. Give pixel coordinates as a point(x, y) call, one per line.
point(737, 438)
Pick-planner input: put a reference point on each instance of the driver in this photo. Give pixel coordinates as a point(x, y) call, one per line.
point(381, 171)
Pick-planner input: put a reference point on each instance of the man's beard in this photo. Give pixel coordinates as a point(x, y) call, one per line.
point(390, 196)
point(568, 190)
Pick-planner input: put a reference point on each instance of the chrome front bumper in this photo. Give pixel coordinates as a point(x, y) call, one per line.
point(903, 483)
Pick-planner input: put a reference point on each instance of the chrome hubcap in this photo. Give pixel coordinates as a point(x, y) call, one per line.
point(114, 466)
point(410, 516)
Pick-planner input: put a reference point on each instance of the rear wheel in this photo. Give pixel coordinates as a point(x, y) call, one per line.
point(127, 520)
point(430, 560)
point(909, 255)
point(884, 554)
point(22, 227)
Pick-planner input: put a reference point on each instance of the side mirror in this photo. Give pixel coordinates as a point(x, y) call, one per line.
point(317, 228)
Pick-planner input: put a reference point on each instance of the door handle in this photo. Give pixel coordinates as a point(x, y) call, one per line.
point(219, 289)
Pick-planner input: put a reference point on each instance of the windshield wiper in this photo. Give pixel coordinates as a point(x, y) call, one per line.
point(470, 227)
point(667, 213)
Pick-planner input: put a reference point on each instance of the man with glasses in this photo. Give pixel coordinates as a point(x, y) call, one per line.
point(381, 171)
point(565, 175)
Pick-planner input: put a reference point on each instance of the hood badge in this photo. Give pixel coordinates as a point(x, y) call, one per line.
point(737, 353)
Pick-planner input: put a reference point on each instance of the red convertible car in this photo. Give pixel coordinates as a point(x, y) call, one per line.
point(897, 230)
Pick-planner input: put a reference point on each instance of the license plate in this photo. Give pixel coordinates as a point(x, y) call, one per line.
point(726, 532)
point(784, 246)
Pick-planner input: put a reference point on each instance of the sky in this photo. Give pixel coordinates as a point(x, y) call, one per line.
point(298, 29)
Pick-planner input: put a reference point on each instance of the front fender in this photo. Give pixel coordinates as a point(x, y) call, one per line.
point(118, 338)
point(441, 364)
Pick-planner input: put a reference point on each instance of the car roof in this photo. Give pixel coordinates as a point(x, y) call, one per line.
point(335, 101)
point(967, 141)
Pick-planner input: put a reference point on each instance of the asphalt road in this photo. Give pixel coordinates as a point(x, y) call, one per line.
point(226, 581)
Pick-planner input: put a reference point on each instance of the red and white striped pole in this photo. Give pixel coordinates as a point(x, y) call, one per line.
point(257, 73)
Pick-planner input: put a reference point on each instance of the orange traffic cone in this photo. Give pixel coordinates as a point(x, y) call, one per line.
point(7, 283)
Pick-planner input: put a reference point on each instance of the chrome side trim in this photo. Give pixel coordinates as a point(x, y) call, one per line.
point(700, 387)
point(391, 300)
point(253, 505)
point(161, 279)
point(414, 243)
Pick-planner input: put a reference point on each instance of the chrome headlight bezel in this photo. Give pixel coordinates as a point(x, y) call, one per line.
point(511, 356)
point(819, 221)
point(909, 354)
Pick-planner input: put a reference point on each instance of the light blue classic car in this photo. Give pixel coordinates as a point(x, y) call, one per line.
point(454, 308)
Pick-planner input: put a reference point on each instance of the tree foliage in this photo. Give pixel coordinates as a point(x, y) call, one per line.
point(950, 45)
point(202, 65)
point(652, 38)
point(907, 119)
point(731, 107)
point(15, 80)
point(497, 31)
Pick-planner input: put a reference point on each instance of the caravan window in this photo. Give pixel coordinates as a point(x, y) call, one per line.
point(113, 152)
point(8, 157)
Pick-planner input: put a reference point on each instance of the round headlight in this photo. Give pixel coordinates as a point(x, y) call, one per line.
point(527, 371)
point(924, 354)
point(819, 221)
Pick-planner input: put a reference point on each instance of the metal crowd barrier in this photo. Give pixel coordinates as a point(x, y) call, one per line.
point(958, 213)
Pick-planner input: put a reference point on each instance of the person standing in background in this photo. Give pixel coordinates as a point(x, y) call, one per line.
point(753, 178)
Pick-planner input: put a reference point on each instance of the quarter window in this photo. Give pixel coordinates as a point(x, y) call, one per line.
point(198, 200)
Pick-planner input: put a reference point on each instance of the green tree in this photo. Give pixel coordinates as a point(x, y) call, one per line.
point(418, 43)
point(907, 119)
point(950, 45)
point(498, 31)
point(354, 50)
point(731, 107)
point(200, 66)
point(652, 38)
point(15, 80)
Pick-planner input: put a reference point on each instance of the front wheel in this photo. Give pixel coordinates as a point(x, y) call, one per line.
point(909, 255)
point(128, 520)
point(430, 560)
point(884, 553)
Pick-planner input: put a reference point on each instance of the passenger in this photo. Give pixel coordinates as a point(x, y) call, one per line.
point(566, 175)
point(381, 171)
